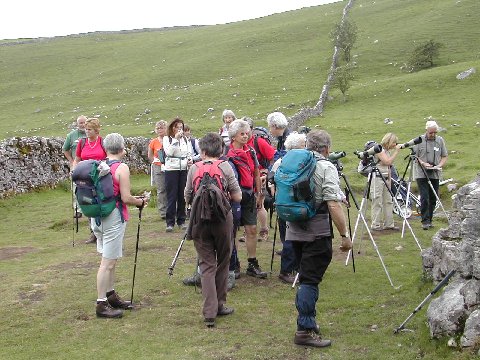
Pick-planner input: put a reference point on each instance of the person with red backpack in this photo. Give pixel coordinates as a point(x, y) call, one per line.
point(211, 185)
point(245, 161)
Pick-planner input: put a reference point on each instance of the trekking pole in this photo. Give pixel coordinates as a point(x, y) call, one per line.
point(295, 280)
point(273, 246)
point(347, 194)
point(417, 309)
point(136, 253)
point(175, 258)
point(74, 214)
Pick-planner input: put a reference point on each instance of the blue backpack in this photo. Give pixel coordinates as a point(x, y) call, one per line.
point(295, 188)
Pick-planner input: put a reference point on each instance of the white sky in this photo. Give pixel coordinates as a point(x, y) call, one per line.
point(46, 18)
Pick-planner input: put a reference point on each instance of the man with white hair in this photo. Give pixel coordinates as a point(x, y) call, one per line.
point(431, 157)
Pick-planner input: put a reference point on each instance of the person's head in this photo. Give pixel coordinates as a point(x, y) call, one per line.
point(175, 126)
point(114, 144)
point(295, 141)
point(228, 116)
point(81, 121)
point(239, 131)
point(187, 131)
point(277, 123)
point(92, 127)
point(161, 128)
point(431, 128)
point(319, 141)
point(250, 123)
point(389, 141)
point(211, 145)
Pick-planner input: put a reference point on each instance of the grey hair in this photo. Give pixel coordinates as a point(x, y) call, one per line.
point(278, 120)
point(295, 141)
point(318, 140)
point(228, 112)
point(114, 143)
point(211, 144)
point(236, 126)
point(431, 124)
point(248, 120)
point(161, 123)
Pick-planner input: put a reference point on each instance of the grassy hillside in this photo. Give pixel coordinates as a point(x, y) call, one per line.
point(253, 67)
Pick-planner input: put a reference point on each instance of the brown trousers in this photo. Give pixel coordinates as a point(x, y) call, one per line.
point(214, 247)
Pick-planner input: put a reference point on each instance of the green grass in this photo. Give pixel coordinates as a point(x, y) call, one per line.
point(48, 293)
point(254, 67)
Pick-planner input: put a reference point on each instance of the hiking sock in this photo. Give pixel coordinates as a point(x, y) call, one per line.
point(111, 292)
point(252, 260)
point(101, 300)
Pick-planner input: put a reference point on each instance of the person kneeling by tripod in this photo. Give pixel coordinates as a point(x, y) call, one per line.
point(312, 241)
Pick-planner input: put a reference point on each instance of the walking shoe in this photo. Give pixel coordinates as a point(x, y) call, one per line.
point(309, 338)
point(255, 270)
point(425, 226)
point(194, 280)
point(286, 278)
point(92, 239)
point(104, 310)
point(209, 322)
point(182, 226)
point(223, 311)
point(263, 235)
point(393, 228)
point(169, 228)
point(116, 302)
point(231, 280)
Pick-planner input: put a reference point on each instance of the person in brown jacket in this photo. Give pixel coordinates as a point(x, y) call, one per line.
point(212, 230)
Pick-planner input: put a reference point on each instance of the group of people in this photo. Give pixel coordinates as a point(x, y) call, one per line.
point(240, 161)
point(430, 156)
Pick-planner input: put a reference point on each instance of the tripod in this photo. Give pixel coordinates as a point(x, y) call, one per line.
point(362, 217)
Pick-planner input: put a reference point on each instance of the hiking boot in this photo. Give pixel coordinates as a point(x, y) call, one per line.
point(183, 226)
point(231, 281)
point(425, 226)
point(194, 280)
point(286, 278)
point(393, 228)
point(92, 239)
point(224, 311)
point(104, 310)
point(209, 322)
point(255, 270)
point(309, 338)
point(116, 302)
point(169, 229)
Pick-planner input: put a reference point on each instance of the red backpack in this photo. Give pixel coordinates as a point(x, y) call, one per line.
point(209, 172)
point(239, 158)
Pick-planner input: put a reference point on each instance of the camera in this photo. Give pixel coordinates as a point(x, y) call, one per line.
point(304, 130)
point(412, 142)
point(336, 155)
point(370, 152)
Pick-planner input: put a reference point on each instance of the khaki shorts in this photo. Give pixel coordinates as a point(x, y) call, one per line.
point(110, 235)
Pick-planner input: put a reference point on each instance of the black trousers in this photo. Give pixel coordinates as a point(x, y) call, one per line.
point(428, 200)
point(175, 182)
point(313, 259)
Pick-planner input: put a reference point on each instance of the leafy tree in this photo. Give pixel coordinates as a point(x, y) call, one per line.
point(423, 55)
point(344, 36)
point(342, 78)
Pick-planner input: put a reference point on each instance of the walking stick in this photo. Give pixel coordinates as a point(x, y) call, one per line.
point(175, 258)
point(347, 195)
point(417, 309)
point(74, 214)
point(136, 253)
point(273, 246)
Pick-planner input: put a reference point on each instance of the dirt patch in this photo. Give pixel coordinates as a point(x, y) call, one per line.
point(34, 295)
point(15, 252)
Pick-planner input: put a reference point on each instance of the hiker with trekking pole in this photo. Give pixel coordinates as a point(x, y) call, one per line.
point(108, 225)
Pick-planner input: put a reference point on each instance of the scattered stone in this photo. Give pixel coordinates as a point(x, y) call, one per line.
point(388, 121)
point(374, 328)
point(210, 109)
point(452, 343)
point(452, 187)
point(465, 74)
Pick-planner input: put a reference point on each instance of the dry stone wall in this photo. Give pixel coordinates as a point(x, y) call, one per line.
point(457, 310)
point(28, 163)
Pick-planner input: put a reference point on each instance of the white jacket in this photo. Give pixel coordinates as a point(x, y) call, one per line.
point(177, 153)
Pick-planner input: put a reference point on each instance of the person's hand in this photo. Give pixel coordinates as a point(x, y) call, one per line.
point(346, 244)
point(258, 200)
point(179, 134)
point(398, 146)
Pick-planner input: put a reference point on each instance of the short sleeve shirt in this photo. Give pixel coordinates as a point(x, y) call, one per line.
point(72, 139)
point(430, 151)
point(327, 182)
point(89, 151)
point(265, 150)
point(156, 145)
